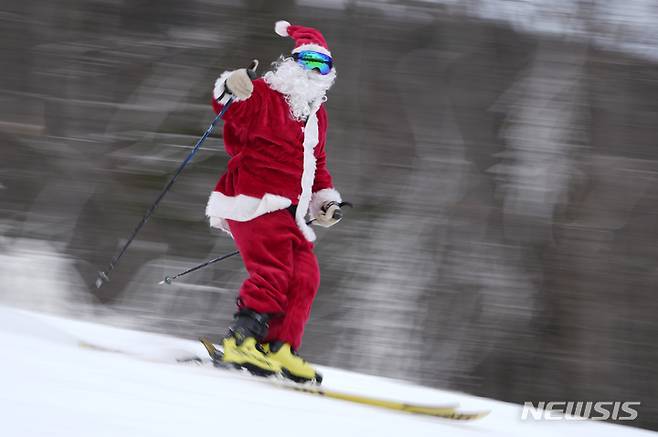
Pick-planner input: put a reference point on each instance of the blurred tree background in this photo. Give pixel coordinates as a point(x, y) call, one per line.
point(501, 157)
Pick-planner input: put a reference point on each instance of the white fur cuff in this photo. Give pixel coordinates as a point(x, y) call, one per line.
point(219, 89)
point(319, 197)
point(314, 47)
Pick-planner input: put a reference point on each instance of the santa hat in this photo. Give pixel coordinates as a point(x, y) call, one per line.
point(306, 38)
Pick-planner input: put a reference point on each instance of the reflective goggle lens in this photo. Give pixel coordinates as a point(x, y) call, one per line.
point(314, 61)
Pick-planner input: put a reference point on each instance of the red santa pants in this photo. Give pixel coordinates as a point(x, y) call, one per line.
point(283, 273)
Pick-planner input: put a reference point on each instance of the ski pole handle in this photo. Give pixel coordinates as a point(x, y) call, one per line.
point(338, 214)
point(227, 92)
point(251, 69)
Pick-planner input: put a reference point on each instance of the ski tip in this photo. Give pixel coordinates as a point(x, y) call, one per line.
point(210, 347)
point(215, 354)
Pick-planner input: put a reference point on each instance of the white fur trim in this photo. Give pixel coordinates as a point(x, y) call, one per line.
point(314, 47)
point(319, 197)
point(220, 223)
point(281, 27)
point(311, 138)
point(219, 88)
point(241, 208)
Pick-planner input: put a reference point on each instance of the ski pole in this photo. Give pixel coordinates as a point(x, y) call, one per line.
point(169, 279)
point(104, 276)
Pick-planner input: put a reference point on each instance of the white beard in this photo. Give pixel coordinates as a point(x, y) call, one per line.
point(301, 88)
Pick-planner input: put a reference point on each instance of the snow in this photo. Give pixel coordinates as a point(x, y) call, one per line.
point(51, 386)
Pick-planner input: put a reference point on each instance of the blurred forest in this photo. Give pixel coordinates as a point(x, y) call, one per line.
point(504, 240)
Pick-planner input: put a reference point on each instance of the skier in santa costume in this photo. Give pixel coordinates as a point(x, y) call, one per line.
point(275, 132)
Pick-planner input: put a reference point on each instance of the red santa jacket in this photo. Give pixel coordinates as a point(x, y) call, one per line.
point(275, 162)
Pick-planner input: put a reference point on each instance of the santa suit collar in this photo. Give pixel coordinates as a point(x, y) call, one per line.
point(311, 139)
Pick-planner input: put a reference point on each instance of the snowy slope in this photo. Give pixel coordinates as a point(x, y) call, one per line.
point(51, 386)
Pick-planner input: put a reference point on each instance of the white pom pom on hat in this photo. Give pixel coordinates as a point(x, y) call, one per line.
point(281, 27)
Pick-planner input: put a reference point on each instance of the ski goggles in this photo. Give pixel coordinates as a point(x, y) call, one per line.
point(311, 60)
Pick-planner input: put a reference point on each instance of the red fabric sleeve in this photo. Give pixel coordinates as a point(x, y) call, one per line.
point(244, 110)
point(322, 176)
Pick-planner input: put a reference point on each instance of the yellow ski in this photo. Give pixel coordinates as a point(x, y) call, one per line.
point(442, 411)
